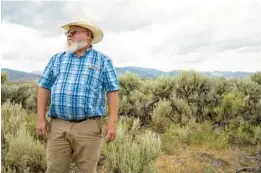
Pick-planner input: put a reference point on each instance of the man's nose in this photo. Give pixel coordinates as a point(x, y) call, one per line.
point(70, 38)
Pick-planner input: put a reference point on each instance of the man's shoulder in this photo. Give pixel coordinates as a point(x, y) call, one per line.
point(101, 55)
point(59, 55)
point(56, 57)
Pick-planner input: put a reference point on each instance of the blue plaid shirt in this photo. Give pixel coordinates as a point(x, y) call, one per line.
point(78, 84)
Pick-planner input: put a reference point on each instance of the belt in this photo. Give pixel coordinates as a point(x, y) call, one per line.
point(78, 121)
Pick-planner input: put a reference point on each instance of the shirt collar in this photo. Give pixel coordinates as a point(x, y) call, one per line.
point(88, 50)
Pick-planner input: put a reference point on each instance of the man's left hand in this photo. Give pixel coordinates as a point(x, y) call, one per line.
point(111, 131)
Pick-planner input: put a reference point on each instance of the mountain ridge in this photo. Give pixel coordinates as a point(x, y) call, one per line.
point(18, 75)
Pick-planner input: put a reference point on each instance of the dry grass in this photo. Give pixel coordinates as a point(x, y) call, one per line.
point(201, 159)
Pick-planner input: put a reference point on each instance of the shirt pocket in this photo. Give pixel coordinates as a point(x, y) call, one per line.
point(92, 73)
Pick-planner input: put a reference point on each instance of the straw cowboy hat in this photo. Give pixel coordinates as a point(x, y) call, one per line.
point(96, 30)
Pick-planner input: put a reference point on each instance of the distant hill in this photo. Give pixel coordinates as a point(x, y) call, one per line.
point(19, 76)
point(140, 71)
point(150, 72)
point(37, 72)
point(228, 74)
point(15, 75)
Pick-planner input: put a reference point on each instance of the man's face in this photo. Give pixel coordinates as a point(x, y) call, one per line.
point(78, 37)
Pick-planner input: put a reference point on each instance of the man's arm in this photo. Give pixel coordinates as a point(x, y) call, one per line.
point(42, 104)
point(113, 116)
point(45, 84)
point(113, 106)
point(112, 87)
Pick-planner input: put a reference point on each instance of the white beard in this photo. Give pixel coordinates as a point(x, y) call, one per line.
point(74, 46)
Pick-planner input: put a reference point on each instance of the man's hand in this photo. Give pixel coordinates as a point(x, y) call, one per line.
point(111, 131)
point(41, 127)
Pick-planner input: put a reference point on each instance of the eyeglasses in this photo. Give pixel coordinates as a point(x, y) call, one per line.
point(72, 32)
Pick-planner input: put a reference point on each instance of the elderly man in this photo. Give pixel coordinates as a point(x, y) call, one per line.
point(76, 82)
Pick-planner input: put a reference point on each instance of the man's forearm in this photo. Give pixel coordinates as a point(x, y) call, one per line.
point(42, 102)
point(113, 106)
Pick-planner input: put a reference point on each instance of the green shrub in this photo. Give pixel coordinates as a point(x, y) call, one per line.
point(132, 105)
point(21, 151)
point(24, 153)
point(160, 116)
point(211, 169)
point(169, 140)
point(20, 93)
point(132, 102)
point(159, 88)
point(231, 106)
point(222, 86)
point(129, 82)
point(193, 133)
point(7, 169)
point(241, 132)
point(257, 134)
point(206, 135)
point(30, 123)
point(153, 91)
point(4, 78)
point(182, 108)
point(132, 151)
point(203, 134)
point(256, 77)
point(174, 135)
point(12, 117)
point(197, 90)
point(182, 112)
point(252, 100)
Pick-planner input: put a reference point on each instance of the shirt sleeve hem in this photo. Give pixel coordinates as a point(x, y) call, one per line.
point(112, 89)
point(45, 87)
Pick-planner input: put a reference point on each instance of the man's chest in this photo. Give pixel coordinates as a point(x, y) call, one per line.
point(78, 71)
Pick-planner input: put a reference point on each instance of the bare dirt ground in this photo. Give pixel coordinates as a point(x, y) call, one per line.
point(201, 159)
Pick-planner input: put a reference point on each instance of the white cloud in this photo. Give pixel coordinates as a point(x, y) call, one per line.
point(167, 35)
point(27, 49)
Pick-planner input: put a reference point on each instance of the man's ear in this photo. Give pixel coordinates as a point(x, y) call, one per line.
point(91, 39)
point(91, 35)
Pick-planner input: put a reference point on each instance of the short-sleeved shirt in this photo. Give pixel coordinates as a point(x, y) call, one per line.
point(78, 84)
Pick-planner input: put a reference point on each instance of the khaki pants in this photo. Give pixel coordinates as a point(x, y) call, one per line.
point(73, 142)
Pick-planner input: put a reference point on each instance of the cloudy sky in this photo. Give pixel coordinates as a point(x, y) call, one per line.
point(204, 35)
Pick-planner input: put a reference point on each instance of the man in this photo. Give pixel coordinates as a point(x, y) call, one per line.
point(76, 81)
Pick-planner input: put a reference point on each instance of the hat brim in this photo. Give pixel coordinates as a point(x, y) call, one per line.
point(97, 32)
